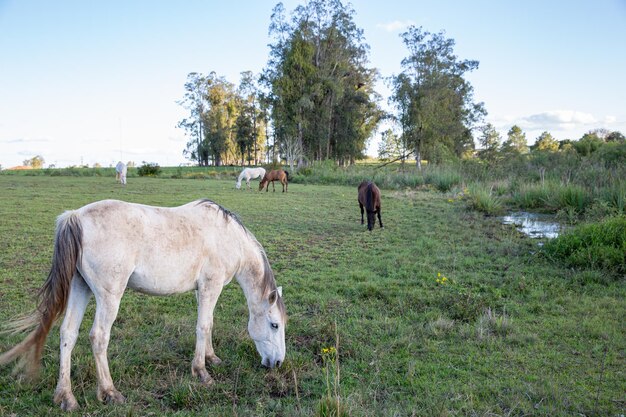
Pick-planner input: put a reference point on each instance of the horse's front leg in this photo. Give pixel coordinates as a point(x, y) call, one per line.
point(207, 299)
point(107, 306)
point(77, 302)
point(379, 219)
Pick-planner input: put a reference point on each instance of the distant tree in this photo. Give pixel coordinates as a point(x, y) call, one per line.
point(97, 165)
point(249, 122)
point(392, 146)
point(515, 143)
point(545, 142)
point(130, 164)
point(36, 162)
point(195, 102)
point(588, 144)
point(211, 102)
point(601, 133)
point(616, 137)
point(433, 100)
point(490, 141)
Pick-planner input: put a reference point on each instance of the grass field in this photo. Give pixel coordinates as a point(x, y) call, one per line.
point(506, 333)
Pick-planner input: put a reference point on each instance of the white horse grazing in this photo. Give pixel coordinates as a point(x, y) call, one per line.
point(250, 174)
point(107, 246)
point(120, 172)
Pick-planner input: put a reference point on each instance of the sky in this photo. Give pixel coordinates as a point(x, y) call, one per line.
point(85, 82)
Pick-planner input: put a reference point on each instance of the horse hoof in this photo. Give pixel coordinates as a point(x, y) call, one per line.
point(214, 360)
point(112, 396)
point(207, 382)
point(68, 405)
point(203, 375)
point(66, 401)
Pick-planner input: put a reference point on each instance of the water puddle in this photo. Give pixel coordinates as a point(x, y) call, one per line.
point(534, 225)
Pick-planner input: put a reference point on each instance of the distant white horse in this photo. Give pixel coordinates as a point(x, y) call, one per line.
point(107, 246)
point(250, 174)
point(120, 172)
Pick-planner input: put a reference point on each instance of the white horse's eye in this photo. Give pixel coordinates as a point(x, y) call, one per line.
point(274, 325)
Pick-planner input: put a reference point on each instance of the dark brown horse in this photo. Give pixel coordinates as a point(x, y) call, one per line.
point(273, 175)
point(369, 197)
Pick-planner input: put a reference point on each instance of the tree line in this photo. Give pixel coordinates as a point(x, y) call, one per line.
point(315, 99)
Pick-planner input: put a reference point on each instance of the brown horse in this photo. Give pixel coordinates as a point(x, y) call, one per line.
point(369, 197)
point(273, 175)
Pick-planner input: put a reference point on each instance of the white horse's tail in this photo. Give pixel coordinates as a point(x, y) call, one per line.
point(52, 297)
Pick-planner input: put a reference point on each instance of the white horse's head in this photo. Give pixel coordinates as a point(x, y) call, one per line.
point(238, 185)
point(267, 328)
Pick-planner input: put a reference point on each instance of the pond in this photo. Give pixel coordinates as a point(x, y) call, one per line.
point(534, 225)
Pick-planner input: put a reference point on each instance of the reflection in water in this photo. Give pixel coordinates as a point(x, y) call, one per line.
point(533, 224)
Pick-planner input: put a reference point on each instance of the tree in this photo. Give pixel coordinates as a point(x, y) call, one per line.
point(321, 90)
point(489, 141)
point(219, 119)
point(434, 102)
point(516, 142)
point(36, 162)
point(545, 142)
point(211, 102)
point(392, 146)
point(588, 144)
point(195, 102)
point(616, 136)
point(250, 115)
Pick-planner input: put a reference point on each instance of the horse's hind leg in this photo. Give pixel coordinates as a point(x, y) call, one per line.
point(77, 302)
point(107, 306)
point(379, 219)
point(361, 206)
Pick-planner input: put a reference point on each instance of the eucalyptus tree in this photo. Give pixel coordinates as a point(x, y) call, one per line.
point(250, 110)
point(220, 117)
point(211, 102)
point(434, 102)
point(321, 90)
point(195, 102)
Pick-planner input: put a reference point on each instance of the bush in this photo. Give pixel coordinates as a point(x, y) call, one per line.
point(149, 169)
point(598, 245)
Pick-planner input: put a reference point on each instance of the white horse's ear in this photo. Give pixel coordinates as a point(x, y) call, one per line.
point(280, 291)
point(272, 297)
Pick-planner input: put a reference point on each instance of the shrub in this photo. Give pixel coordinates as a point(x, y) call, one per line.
point(149, 169)
point(598, 245)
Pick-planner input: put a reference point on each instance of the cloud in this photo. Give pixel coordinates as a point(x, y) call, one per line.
point(395, 26)
point(558, 120)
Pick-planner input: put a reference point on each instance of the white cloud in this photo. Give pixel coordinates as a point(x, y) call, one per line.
point(395, 26)
point(559, 120)
point(610, 119)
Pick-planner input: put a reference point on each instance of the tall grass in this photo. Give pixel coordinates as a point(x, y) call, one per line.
point(598, 245)
point(481, 198)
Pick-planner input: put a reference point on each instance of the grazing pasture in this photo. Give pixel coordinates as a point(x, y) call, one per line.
point(444, 312)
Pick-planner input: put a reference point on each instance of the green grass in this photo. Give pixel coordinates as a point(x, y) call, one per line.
point(508, 333)
point(601, 245)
